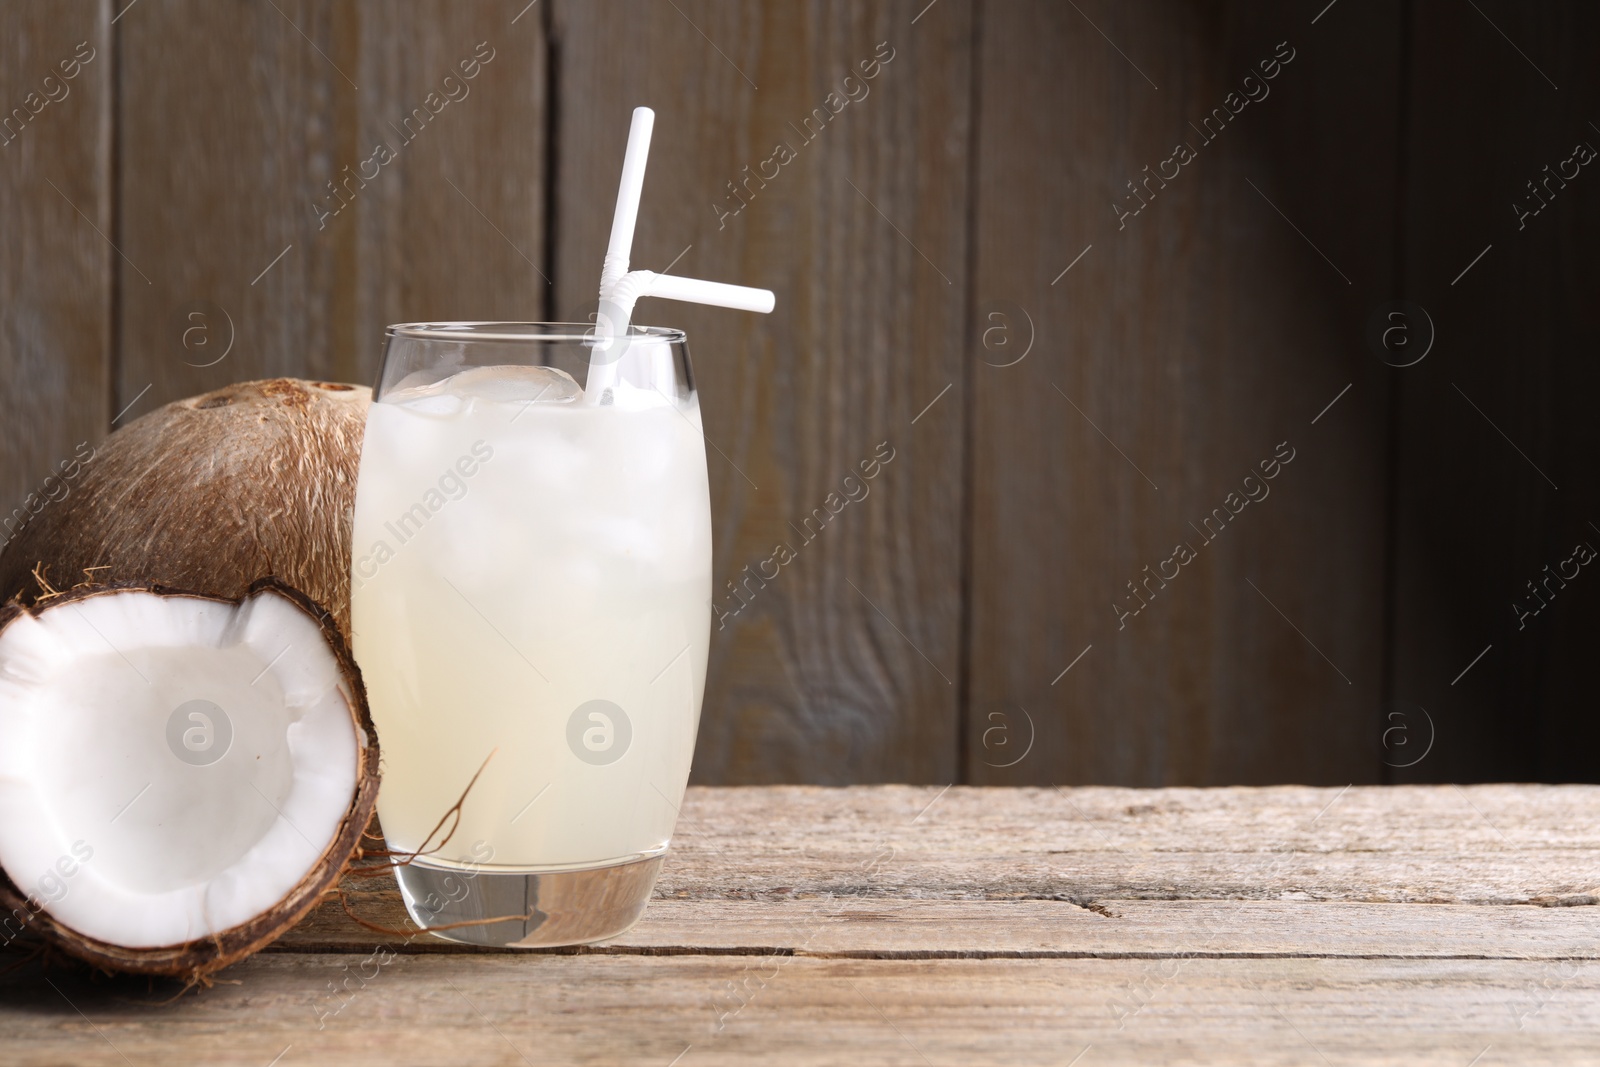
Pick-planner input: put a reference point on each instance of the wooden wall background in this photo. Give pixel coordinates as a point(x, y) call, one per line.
point(1065, 394)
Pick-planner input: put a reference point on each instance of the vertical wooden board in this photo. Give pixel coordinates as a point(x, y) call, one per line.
point(459, 233)
point(1496, 462)
point(1174, 349)
point(254, 192)
point(56, 256)
point(230, 116)
point(844, 666)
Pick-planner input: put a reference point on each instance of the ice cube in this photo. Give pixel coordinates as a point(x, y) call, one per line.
point(429, 404)
point(418, 392)
point(541, 385)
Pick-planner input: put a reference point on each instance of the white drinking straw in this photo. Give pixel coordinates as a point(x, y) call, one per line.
point(621, 289)
point(690, 290)
point(628, 193)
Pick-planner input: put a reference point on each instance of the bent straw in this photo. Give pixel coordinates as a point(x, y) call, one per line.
point(693, 291)
point(621, 289)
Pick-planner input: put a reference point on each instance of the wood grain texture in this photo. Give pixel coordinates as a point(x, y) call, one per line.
point(221, 112)
point(251, 131)
point(1488, 845)
point(808, 925)
point(461, 233)
point(1187, 342)
point(56, 256)
point(843, 666)
point(851, 928)
point(1495, 467)
point(918, 243)
point(607, 1009)
point(918, 863)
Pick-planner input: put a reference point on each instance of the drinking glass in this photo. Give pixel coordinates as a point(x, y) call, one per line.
point(531, 611)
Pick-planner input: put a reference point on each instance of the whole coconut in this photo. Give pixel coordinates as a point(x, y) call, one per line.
point(209, 494)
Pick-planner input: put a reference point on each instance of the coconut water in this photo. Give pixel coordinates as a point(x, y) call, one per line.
point(531, 588)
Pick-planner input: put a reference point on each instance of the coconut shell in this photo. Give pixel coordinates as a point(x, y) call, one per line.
point(194, 960)
point(209, 494)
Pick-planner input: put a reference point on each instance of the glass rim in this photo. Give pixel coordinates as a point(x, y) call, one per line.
point(558, 332)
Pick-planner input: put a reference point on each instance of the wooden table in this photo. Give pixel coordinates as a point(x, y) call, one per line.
point(911, 925)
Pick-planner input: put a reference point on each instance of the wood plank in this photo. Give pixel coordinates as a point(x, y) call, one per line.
point(700, 1009)
point(1167, 363)
point(911, 959)
point(848, 927)
point(844, 666)
point(55, 268)
point(1498, 418)
point(788, 858)
point(275, 103)
point(205, 214)
point(1484, 844)
point(461, 233)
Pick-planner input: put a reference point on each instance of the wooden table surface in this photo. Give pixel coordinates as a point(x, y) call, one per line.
point(909, 925)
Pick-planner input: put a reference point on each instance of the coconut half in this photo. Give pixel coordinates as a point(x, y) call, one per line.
point(182, 777)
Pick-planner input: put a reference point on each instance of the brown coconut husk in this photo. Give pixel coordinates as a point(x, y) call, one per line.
point(209, 494)
point(195, 961)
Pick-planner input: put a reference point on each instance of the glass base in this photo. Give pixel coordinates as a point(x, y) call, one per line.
point(572, 907)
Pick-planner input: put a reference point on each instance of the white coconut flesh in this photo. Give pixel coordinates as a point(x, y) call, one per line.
point(170, 766)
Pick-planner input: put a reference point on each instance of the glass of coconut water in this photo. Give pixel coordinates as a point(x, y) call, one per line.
point(531, 587)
